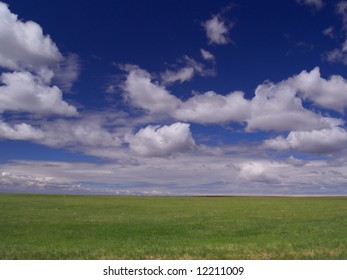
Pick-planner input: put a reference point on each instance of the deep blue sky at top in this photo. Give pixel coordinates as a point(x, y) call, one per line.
point(270, 39)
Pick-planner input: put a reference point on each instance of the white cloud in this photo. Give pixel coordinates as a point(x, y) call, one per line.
point(20, 131)
point(187, 72)
point(331, 93)
point(341, 10)
point(35, 60)
point(295, 161)
point(317, 4)
point(142, 93)
point(199, 68)
point(24, 92)
point(279, 106)
point(8, 179)
point(217, 30)
point(329, 31)
point(207, 55)
point(182, 75)
point(258, 172)
point(67, 71)
point(111, 89)
point(23, 44)
point(322, 141)
point(276, 107)
point(92, 134)
point(340, 54)
point(203, 108)
point(337, 55)
point(159, 141)
point(37, 182)
point(78, 134)
point(184, 174)
point(211, 107)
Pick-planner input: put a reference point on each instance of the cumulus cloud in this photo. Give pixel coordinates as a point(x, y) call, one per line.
point(211, 107)
point(331, 93)
point(202, 108)
point(159, 141)
point(279, 106)
point(92, 134)
point(23, 44)
point(35, 60)
point(21, 131)
point(322, 141)
point(217, 30)
point(276, 107)
point(317, 4)
point(23, 92)
point(257, 172)
point(142, 93)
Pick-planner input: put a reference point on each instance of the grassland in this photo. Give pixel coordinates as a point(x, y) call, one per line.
point(101, 227)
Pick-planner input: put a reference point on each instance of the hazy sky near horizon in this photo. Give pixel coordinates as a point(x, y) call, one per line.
point(169, 97)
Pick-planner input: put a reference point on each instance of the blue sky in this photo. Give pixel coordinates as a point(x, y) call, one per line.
point(173, 97)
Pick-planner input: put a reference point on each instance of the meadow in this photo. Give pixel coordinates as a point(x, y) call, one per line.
point(107, 227)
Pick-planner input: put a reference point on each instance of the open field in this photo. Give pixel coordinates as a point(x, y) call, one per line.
point(105, 227)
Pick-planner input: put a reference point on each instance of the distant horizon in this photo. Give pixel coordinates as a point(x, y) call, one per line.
point(206, 195)
point(174, 98)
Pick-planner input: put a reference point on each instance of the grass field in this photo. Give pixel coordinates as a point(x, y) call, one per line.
point(105, 227)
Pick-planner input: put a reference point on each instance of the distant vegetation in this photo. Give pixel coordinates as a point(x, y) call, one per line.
point(105, 227)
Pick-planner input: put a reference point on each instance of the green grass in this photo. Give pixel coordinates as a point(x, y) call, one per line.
point(105, 227)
